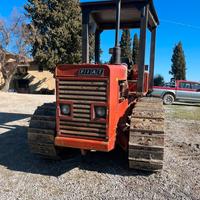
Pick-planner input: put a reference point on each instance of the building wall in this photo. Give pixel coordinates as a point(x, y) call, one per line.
point(40, 80)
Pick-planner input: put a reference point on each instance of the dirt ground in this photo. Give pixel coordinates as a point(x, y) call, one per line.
point(101, 175)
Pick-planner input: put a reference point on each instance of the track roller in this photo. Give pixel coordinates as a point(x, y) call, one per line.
point(146, 137)
point(42, 131)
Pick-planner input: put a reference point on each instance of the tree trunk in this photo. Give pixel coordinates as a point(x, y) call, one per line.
point(6, 86)
point(8, 75)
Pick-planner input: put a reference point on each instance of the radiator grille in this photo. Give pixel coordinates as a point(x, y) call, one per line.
point(82, 94)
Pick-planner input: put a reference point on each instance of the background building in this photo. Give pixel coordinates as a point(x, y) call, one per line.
point(27, 77)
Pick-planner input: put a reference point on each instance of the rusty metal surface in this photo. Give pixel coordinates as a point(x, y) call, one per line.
point(83, 94)
point(147, 114)
point(42, 130)
point(103, 13)
point(150, 100)
point(83, 90)
point(146, 137)
point(147, 125)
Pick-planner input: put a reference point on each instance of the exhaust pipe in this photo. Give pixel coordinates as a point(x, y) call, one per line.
point(116, 57)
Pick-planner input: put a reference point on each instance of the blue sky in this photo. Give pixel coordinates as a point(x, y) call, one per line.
point(179, 21)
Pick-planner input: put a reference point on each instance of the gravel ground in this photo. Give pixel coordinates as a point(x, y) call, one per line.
point(101, 175)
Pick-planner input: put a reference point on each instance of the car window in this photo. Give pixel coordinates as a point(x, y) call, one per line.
point(195, 86)
point(185, 85)
point(170, 84)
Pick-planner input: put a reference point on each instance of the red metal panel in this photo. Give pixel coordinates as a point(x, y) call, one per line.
point(116, 109)
point(146, 82)
point(93, 113)
point(134, 81)
point(59, 111)
point(83, 144)
point(73, 70)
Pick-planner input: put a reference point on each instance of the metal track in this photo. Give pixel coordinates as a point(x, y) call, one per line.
point(42, 130)
point(146, 138)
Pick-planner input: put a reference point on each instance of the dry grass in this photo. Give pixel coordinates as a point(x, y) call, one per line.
point(185, 111)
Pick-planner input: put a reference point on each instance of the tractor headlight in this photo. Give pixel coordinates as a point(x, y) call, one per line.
point(100, 111)
point(65, 109)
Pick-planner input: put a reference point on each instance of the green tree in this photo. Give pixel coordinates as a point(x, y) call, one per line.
point(135, 50)
point(178, 68)
point(92, 47)
point(125, 44)
point(159, 80)
point(55, 31)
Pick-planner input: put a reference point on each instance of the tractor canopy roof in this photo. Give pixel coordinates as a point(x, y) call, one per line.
point(103, 13)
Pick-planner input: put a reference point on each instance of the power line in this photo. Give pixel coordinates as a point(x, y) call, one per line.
point(180, 24)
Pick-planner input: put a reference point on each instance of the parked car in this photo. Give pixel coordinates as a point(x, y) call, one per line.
point(180, 90)
point(170, 84)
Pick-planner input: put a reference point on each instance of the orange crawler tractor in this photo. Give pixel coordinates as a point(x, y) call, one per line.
point(99, 106)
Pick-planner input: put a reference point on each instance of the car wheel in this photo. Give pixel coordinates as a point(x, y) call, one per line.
point(168, 99)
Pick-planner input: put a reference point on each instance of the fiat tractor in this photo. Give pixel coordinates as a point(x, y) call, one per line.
point(101, 106)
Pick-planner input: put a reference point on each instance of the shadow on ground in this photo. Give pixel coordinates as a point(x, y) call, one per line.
point(186, 104)
point(15, 155)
